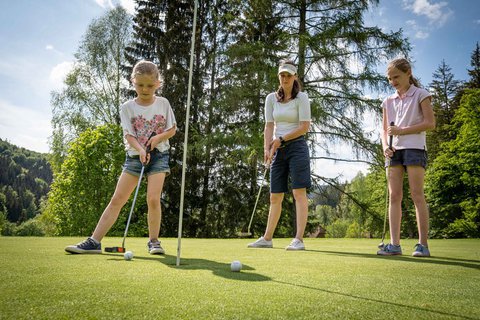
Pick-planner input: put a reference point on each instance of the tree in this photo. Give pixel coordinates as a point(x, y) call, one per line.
point(96, 86)
point(238, 47)
point(443, 88)
point(337, 57)
point(453, 181)
point(474, 73)
point(86, 181)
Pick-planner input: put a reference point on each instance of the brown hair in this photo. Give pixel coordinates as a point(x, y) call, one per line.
point(297, 86)
point(403, 65)
point(146, 67)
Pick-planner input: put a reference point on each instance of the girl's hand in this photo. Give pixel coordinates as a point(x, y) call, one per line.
point(144, 156)
point(394, 131)
point(388, 152)
point(152, 142)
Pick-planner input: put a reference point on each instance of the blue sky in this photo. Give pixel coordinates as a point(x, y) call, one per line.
point(38, 40)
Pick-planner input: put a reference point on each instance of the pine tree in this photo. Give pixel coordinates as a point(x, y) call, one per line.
point(338, 56)
point(443, 88)
point(474, 82)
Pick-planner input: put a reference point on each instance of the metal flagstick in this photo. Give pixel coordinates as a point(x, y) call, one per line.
point(185, 142)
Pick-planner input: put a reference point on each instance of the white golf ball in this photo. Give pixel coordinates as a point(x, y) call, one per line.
point(128, 255)
point(236, 266)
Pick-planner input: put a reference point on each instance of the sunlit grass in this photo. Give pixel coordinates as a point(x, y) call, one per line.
point(333, 279)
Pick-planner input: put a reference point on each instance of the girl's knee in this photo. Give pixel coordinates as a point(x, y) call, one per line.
point(417, 196)
point(153, 202)
point(118, 201)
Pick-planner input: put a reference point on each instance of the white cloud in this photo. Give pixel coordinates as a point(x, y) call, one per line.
point(25, 127)
point(128, 5)
point(59, 72)
point(50, 47)
point(437, 13)
point(104, 3)
point(421, 34)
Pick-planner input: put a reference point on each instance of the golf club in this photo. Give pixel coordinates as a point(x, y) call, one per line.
point(248, 233)
point(122, 248)
point(382, 244)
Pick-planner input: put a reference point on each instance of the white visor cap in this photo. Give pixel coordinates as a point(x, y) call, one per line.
point(287, 68)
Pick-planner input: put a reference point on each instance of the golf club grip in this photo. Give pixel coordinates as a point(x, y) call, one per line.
point(390, 138)
point(149, 146)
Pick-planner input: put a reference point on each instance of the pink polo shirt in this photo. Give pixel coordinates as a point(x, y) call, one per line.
point(405, 111)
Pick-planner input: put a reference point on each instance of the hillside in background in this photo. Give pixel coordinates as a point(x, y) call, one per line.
point(25, 178)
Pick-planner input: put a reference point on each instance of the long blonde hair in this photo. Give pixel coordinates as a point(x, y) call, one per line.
point(403, 65)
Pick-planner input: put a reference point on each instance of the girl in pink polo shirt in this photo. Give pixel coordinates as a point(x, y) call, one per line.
point(410, 110)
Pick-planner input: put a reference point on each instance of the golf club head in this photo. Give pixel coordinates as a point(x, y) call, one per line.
point(244, 234)
point(381, 245)
point(115, 249)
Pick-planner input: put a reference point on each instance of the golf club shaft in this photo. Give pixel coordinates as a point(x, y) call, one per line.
point(256, 201)
point(390, 141)
point(133, 205)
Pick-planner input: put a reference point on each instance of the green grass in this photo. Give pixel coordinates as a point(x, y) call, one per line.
point(333, 279)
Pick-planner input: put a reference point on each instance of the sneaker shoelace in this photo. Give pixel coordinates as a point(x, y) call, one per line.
point(87, 243)
point(155, 245)
point(295, 242)
point(420, 247)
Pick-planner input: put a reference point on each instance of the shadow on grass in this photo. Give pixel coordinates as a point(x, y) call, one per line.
point(387, 303)
point(217, 268)
point(473, 264)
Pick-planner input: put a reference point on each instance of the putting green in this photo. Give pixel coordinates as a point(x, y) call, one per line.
point(332, 279)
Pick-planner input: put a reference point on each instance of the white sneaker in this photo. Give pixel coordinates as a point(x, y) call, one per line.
point(261, 243)
point(296, 244)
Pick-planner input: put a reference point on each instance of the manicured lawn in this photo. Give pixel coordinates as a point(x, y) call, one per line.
point(333, 279)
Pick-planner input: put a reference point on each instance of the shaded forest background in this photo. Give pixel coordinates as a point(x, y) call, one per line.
point(238, 47)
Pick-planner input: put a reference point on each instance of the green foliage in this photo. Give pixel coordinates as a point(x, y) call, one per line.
point(453, 181)
point(474, 73)
point(86, 181)
point(443, 89)
point(24, 180)
point(30, 228)
point(237, 50)
point(96, 86)
point(354, 230)
point(338, 229)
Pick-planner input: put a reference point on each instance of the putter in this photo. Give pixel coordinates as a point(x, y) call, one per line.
point(248, 233)
point(382, 244)
point(122, 248)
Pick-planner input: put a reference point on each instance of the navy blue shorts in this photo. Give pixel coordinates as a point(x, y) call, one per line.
point(158, 163)
point(291, 161)
point(408, 157)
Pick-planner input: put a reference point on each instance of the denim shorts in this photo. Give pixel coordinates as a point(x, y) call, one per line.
point(291, 161)
point(408, 157)
point(158, 163)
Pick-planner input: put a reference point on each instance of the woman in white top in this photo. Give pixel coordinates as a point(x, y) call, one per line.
point(287, 120)
point(410, 111)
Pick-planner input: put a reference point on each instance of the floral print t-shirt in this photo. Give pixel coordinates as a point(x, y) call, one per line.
point(140, 121)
